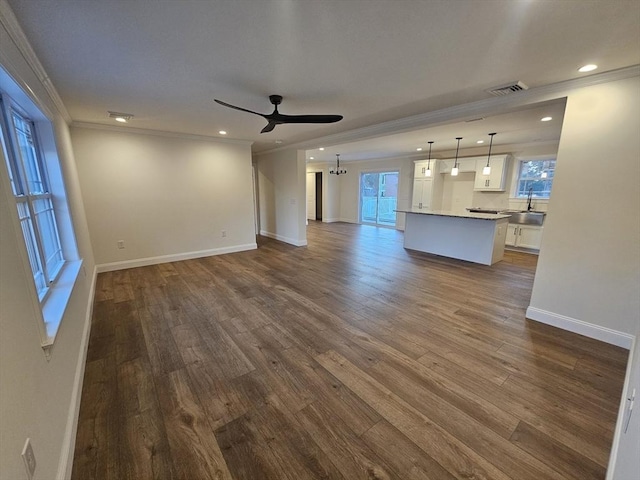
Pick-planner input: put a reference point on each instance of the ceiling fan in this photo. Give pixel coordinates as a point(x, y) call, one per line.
point(277, 118)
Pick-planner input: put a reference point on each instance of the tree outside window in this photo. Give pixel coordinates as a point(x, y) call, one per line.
point(536, 176)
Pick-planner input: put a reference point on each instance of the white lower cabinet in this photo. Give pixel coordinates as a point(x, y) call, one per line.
point(525, 236)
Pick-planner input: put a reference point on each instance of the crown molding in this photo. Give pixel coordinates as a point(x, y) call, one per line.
point(14, 30)
point(511, 149)
point(159, 133)
point(468, 111)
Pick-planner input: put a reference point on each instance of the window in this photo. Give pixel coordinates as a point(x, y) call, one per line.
point(30, 185)
point(32, 179)
point(535, 177)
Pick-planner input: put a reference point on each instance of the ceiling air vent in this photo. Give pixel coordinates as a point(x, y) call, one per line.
point(511, 87)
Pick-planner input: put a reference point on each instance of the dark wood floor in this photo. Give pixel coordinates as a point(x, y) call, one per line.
point(350, 358)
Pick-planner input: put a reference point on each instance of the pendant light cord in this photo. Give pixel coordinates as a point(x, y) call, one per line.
point(490, 145)
point(457, 149)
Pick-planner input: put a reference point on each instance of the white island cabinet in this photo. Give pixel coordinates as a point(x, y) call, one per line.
point(474, 237)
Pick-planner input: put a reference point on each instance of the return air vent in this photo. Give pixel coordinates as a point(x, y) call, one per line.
point(511, 87)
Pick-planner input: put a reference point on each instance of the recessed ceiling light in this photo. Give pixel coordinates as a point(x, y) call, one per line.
point(546, 119)
point(321, 149)
point(222, 132)
point(480, 141)
point(311, 158)
point(278, 142)
point(419, 149)
point(588, 68)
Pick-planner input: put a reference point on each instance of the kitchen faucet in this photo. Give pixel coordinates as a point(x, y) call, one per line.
point(529, 199)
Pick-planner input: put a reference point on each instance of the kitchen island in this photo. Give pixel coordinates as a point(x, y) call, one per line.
point(474, 237)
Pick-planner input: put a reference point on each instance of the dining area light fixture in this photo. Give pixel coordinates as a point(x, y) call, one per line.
point(427, 172)
point(455, 170)
point(337, 170)
point(487, 168)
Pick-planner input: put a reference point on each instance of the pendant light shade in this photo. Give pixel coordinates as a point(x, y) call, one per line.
point(455, 170)
point(427, 172)
point(487, 169)
point(337, 170)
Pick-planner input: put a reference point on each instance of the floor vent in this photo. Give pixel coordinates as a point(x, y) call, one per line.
point(511, 87)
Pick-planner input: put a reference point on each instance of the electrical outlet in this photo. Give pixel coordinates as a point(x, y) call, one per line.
point(29, 459)
point(120, 244)
point(224, 233)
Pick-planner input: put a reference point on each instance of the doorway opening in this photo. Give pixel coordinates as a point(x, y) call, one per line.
point(314, 196)
point(379, 198)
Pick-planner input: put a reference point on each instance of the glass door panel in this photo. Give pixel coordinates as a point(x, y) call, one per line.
point(379, 198)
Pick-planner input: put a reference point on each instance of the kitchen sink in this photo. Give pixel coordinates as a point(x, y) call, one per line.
point(524, 217)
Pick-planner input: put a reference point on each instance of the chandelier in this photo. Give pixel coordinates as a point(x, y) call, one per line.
point(338, 170)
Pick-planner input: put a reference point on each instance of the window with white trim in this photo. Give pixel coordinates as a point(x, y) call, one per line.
point(32, 180)
point(34, 200)
point(535, 177)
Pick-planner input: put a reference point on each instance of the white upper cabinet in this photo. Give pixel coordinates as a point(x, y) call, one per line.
point(496, 180)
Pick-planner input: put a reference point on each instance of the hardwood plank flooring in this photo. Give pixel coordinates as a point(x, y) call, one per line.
point(350, 358)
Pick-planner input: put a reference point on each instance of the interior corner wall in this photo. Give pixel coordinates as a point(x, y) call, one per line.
point(38, 396)
point(282, 196)
point(589, 264)
point(166, 197)
point(623, 463)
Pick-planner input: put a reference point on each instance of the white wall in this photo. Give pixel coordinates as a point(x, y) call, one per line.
point(282, 196)
point(589, 265)
point(330, 192)
point(457, 192)
point(37, 397)
point(166, 197)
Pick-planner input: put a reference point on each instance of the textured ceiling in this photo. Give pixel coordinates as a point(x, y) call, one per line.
point(370, 60)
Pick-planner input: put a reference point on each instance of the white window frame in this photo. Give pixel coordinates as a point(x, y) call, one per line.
point(51, 301)
point(517, 175)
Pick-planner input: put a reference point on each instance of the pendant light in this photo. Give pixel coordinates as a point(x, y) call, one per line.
point(338, 170)
point(455, 170)
point(487, 169)
point(427, 172)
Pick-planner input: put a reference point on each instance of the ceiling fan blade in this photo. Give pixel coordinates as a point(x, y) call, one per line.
point(270, 126)
point(237, 108)
point(280, 118)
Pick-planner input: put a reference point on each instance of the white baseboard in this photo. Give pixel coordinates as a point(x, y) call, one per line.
point(331, 220)
point(590, 330)
point(65, 464)
point(143, 262)
point(282, 238)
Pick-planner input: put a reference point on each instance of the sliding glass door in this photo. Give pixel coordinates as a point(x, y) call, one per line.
point(378, 198)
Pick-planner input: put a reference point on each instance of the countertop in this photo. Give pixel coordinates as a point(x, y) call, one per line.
point(461, 214)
